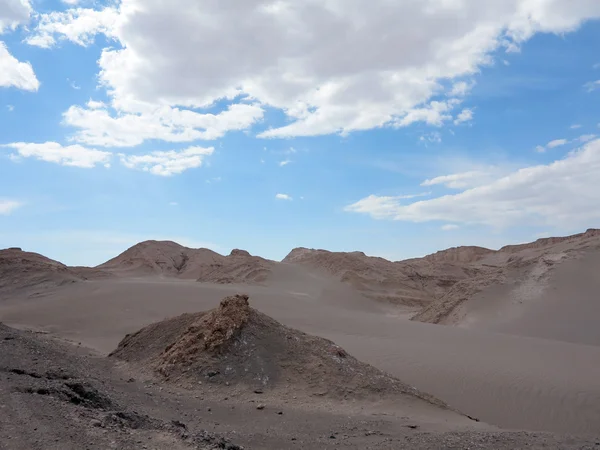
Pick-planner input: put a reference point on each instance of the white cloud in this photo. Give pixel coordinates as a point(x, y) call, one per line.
point(461, 89)
point(71, 155)
point(167, 163)
point(13, 13)
point(592, 85)
point(435, 113)
point(284, 162)
point(575, 126)
point(556, 143)
point(71, 2)
point(93, 104)
point(79, 25)
point(8, 206)
point(10, 108)
point(283, 197)
point(98, 126)
point(586, 137)
point(562, 194)
point(450, 227)
point(540, 149)
point(14, 73)
point(459, 180)
point(330, 66)
point(466, 115)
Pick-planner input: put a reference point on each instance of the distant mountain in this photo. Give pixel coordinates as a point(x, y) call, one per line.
point(169, 259)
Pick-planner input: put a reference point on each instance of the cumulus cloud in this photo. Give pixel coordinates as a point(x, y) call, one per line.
point(13, 13)
point(330, 66)
point(79, 25)
point(8, 206)
point(167, 163)
point(71, 155)
point(14, 73)
point(283, 197)
point(97, 125)
point(561, 194)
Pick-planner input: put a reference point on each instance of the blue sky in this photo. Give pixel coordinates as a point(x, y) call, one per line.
point(396, 131)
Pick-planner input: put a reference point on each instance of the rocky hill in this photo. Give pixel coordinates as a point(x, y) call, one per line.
point(169, 259)
point(235, 345)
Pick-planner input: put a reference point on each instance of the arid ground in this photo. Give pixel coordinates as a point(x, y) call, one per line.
point(467, 348)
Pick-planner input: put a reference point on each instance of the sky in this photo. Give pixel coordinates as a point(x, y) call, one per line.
point(396, 128)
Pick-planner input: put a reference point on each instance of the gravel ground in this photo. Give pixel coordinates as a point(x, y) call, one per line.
point(54, 395)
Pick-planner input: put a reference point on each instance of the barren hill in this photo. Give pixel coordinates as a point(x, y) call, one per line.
point(416, 282)
point(440, 283)
point(21, 270)
point(169, 259)
point(235, 345)
point(518, 275)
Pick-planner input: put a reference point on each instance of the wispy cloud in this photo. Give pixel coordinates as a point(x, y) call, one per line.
point(556, 143)
point(450, 227)
point(285, 162)
point(8, 206)
point(466, 115)
point(552, 144)
point(575, 126)
point(586, 138)
point(433, 137)
point(459, 180)
point(283, 197)
point(53, 152)
point(592, 85)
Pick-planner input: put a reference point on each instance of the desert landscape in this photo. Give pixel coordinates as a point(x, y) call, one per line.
point(166, 346)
